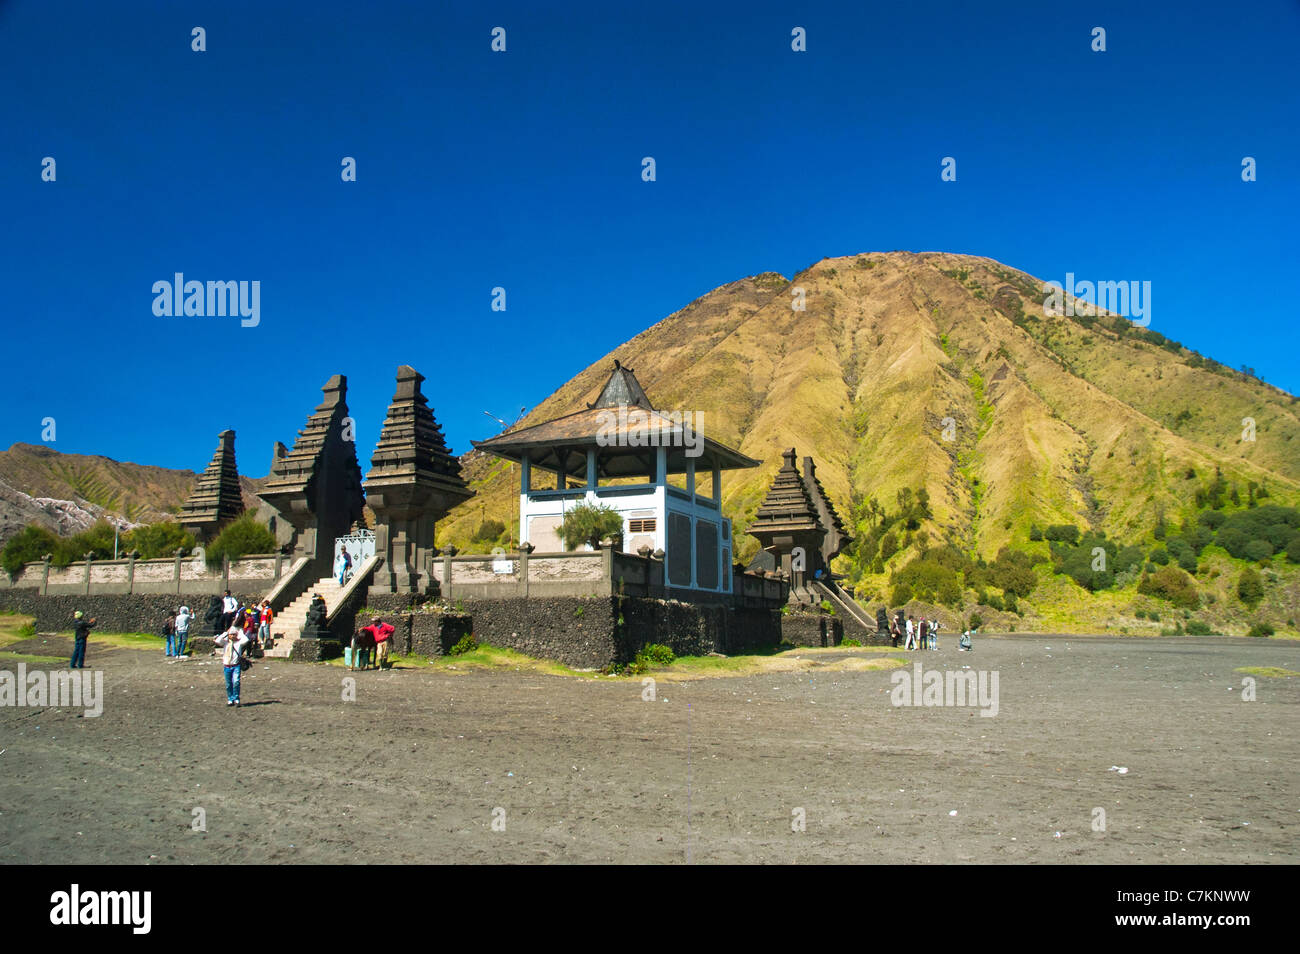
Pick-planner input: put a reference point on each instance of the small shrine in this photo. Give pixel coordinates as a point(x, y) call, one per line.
point(620, 452)
point(798, 529)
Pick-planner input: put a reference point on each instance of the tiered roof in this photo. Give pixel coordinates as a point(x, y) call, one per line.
point(216, 497)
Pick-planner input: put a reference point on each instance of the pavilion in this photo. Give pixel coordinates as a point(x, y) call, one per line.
point(620, 452)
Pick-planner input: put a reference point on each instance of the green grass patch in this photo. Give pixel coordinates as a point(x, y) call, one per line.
point(1276, 672)
point(31, 659)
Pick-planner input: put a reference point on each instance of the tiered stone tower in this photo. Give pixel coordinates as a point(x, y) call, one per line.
point(836, 538)
point(216, 499)
point(788, 519)
point(413, 481)
point(317, 485)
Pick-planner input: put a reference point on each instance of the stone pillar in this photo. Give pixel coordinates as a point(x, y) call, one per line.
point(447, 554)
point(525, 549)
point(130, 570)
point(88, 555)
point(225, 573)
point(179, 551)
point(45, 573)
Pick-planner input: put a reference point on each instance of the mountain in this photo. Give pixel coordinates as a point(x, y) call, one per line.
point(69, 492)
point(941, 372)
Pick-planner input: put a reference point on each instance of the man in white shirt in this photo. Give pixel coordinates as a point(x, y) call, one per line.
point(232, 643)
point(229, 607)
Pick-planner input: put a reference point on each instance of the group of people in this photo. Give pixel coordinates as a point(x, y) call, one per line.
point(176, 632)
point(918, 634)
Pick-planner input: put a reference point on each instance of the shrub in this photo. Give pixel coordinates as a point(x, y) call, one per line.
point(1196, 628)
point(1250, 587)
point(1062, 533)
point(466, 644)
point(1141, 614)
point(489, 530)
point(160, 540)
point(976, 621)
point(850, 642)
point(1261, 629)
point(888, 546)
point(1172, 584)
point(653, 654)
point(589, 523)
point(1035, 534)
point(1258, 550)
point(1159, 556)
point(900, 595)
point(29, 544)
point(240, 538)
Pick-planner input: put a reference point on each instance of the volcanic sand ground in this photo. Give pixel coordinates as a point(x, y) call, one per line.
point(712, 771)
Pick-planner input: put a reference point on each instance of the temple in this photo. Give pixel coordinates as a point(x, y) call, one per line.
point(620, 452)
point(216, 498)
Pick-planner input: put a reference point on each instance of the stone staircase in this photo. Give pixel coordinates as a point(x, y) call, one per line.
point(286, 627)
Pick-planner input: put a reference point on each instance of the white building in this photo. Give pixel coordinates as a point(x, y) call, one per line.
point(620, 452)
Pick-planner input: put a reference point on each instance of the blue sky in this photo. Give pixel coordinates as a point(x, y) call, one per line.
point(522, 170)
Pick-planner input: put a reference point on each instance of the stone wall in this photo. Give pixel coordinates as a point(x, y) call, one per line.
point(122, 613)
point(593, 632)
point(812, 629)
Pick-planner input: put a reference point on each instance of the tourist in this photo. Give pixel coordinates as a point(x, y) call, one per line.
point(923, 634)
point(169, 633)
point(183, 618)
point(229, 607)
point(344, 566)
point(383, 642)
point(934, 634)
point(894, 634)
point(264, 623)
point(963, 644)
point(911, 633)
point(252, 617)
point(80, 633)
point(232, 643)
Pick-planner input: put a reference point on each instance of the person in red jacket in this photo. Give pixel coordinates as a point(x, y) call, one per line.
point(383, 641)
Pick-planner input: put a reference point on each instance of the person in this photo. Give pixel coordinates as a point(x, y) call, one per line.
point(80, 633)
point(264, 617)
point(183, 618)
point(963, 644)
point(229, 607)
point(911, 633)
point(894, 634)
point(934, 634)
point(169, 633)
point(252, 617)
point(383, 642)
point(345, 566)
point(232, 643)
point(923, 634)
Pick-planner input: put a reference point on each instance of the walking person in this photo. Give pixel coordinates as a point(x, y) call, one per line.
point(169, 633)
point(344, 566)
point(232, 643)
point(183, 619)
point(911, 633)
point(80, 633)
